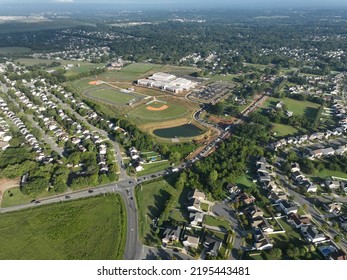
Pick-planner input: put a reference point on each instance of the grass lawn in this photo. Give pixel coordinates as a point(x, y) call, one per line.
point(176, 109)
point(14, 50)
point(283, 129)
point(325, 174)
point(153, 167)
point(111, 95)
point(245, 181)
point(176, 215)
point(18, 197)
point(151, 198)
point(69, 230)
point(303, 108)
point(130, 73)
point(204, 207)
point(216, 222)
point(291, 236)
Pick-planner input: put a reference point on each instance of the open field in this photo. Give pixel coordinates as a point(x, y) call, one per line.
point(302, 108)
point(69, 230)
point(326, 174)
point(216, 222)
point(153, 167)
point(6, 185)
point(14, 50)
point(283, 129)
point(135, 71)
point(151, 198)
point(77, 66)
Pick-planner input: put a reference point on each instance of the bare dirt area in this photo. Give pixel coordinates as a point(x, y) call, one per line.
point(6, 184)
point(162, 108)
point(221, 120)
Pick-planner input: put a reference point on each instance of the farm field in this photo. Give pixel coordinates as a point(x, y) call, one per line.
point(66, 231)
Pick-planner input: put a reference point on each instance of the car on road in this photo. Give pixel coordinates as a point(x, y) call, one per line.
point(67, 197)
point(90, 191)
point(37, 202)
point(33, 201)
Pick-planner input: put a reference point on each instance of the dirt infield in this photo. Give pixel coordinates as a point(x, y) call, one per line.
point(162, 108)
point(95, 83)
point(6, 184)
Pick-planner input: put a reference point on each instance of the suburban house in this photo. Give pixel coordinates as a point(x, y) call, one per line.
point(171, 234)
point(212, 245)
point(312, 235)
point(297, 176)
point(191, 241)
point(332, 184)
point(253, 211)
point(277, 197)
point(245, 198)
point(198, 195)
point(196, 218)
point(195, 205)
point(333, 207)
point(262, 242)
point(295, 167)
point(298, 221)
point(288, 207)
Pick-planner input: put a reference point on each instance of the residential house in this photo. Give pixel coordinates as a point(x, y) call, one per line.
point(195, 205)
point(262, 242)
point(295, 167)
point(198, 195)
point(191, 241)
point(334, 207)
point(212, 245)
point(316, 153)
point(332, 184)
point(245, 198)
point(171, 234)
point(312, 234)
point(297, 176)
point(288, 207)
point(298, 221)
point(196, 218)
point(328, 151)
point(277, 197)
point(253, 211)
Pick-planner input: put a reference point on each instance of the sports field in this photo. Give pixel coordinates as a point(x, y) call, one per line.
point(86, 229)
point(100, 91)
point(159, 112)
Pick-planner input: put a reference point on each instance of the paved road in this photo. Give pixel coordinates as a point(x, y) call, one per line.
point(223, 210)
point(151, 253)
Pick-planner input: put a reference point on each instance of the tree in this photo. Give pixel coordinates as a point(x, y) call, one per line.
point(175, 157)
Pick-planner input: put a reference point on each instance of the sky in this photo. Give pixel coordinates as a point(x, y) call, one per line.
point(181, 4)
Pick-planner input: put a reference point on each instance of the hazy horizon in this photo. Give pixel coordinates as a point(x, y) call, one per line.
point(166, 4)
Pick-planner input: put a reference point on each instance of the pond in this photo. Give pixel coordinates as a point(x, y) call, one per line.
point(186, 130)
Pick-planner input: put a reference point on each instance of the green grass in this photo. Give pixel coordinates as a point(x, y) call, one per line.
point(92, 228)
point(302, 108)
point(176, 109)
point(130, 72)
point(245, 181)
point(151, 198)
point(216, 222)
point(176, 215)
point(204, 207)
point(14, 50)
point(326, 173)
point(283, 129)
point(291, 236)
point(153, 167)
point(111, 95)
